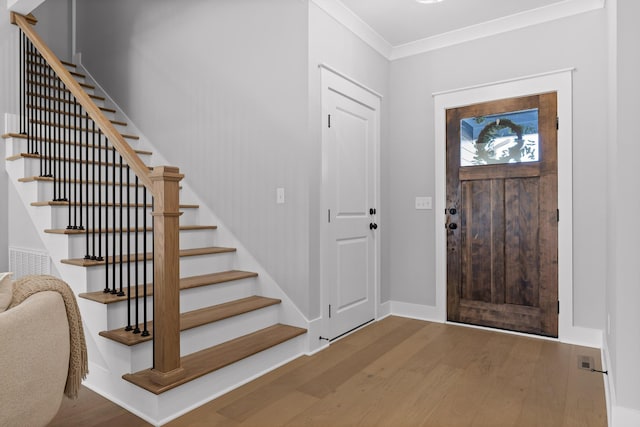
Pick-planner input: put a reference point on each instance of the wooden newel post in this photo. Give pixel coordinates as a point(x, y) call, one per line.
point(166, 271)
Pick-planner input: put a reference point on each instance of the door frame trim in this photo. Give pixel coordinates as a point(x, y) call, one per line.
point(555, 81)
point(328, 73)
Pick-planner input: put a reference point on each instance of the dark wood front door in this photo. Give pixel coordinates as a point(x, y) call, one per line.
point(502, 218)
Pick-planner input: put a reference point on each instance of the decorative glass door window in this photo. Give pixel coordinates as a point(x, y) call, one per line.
point(499, 138)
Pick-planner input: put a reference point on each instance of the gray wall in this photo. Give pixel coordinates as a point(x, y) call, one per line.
point(580, 42)
point(8, 104)
point(54, 26)
point(623, 290)
point(332, 44)
point(220, 90)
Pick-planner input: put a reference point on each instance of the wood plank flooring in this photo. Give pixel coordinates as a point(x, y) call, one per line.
point(401, 372)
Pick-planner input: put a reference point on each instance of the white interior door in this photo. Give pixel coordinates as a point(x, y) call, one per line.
point(350, 260)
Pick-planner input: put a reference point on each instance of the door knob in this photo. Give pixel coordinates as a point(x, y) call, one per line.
point(453, 226)
point(453, 211)
point(373, 226)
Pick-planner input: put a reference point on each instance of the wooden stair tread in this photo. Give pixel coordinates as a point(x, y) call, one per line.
point(211, 359)
point(81, 262)
point(76, 128)
point(56, 98)
point(75, 181)
point(185, 283)
point(70, 64)
point(73, 73)
point(64, 159)
point(55, 87)
point(68, 113)
point(195, 318)
point(57, 141)
point(130, 230)
point(125, 205)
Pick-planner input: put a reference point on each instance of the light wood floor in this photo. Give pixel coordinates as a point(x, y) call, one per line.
point(401, 372)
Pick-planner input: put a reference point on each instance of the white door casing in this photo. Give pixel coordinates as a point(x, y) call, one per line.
point(349, 244)
point(559, 81)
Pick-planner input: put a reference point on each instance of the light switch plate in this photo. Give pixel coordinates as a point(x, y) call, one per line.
point(279, 195)
point(423, 203)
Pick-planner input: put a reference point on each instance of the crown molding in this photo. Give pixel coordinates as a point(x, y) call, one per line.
point(338, 11)
point(497, 26)
point(563, 9)
point(23, 7)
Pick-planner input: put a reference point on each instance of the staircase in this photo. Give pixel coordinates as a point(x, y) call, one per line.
point(231, 322)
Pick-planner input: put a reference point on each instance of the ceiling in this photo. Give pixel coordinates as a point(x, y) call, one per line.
point(404, 21)
point(400, 28)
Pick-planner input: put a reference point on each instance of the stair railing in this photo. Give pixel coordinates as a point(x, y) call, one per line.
point(66, 151)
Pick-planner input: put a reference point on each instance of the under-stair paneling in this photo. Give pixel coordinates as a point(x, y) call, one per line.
point(237, 118)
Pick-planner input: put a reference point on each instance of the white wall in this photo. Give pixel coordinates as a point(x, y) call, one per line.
point(623, 292)
point(579, 42)
point(220, 89)
point(8, 104)
point(332, 44)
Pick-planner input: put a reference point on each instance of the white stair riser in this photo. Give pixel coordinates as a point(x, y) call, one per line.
point(49, 87)
point(206, 264)
point(206, 296)
point(190, 299)
point(208, 335)
point(71, 127)
point(39, 68)
point(189, 239)
point(224, 330)
point(102, 192)
point(223, 380)
point(189, 266)
point(15, 146)
point(60, 216)
point(32, 167)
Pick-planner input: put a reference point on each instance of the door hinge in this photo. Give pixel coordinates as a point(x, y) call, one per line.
point(329, 120)
point(558, 307)
point(329, 311)
point(329, 215)
point(558, 215)
point(557, 123)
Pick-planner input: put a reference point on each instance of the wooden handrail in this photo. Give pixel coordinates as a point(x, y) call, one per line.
point(163, 182)
point(108, 129)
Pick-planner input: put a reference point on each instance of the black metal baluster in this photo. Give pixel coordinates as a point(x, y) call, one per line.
point(129, 327)
point(44, 145)
point(62, 107)
point(145, 331)
point(106, 224)
point(113, 203)
point(136, 330)
point(99, 256)
point(51, 130)
point(72, 147)
point(93, 188)
point(53, 104)
point(23, 130)
point(153, 270)
point(121, 229)
point(83, 180)
point(31, 140)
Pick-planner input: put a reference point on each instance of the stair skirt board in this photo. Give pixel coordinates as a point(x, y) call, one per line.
point(163, 408)
point(238, 340)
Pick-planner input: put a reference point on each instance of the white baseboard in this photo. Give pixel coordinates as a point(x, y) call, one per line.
point(416, 311)
point(581, 336)
point(625, 417)
point(618, 416)
point(573, 335)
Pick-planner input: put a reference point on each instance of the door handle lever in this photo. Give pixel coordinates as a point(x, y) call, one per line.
point(373, 226)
